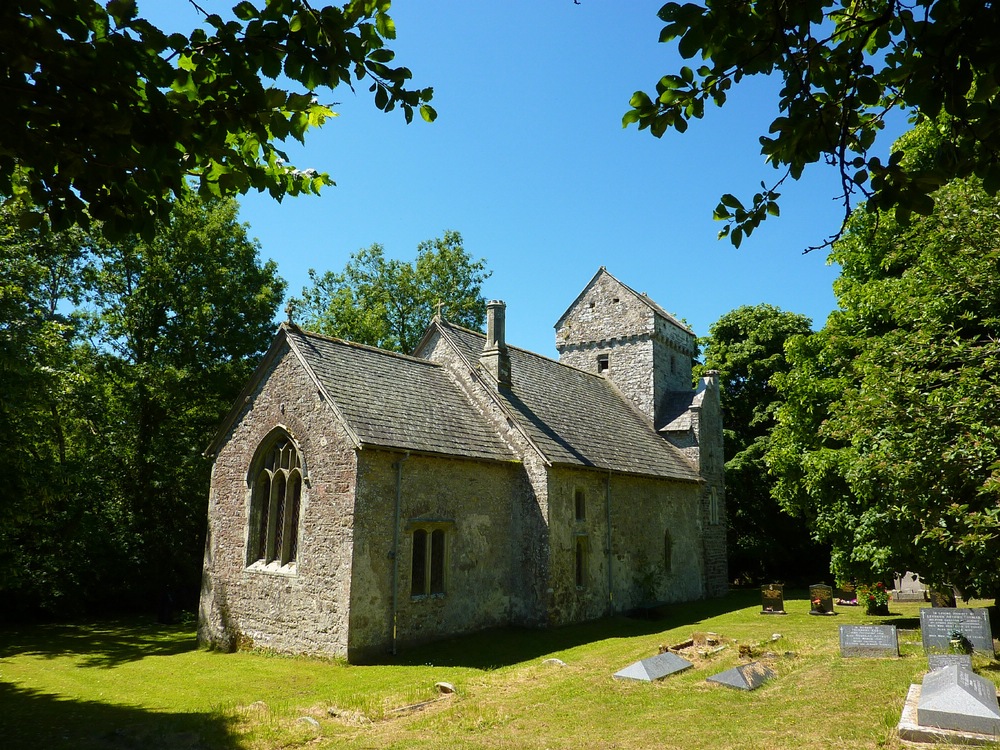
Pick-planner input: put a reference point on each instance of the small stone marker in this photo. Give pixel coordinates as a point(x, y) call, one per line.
point(937, 625)
point(821, 599)
point(772, 600)
point(958, 699)
point(937, 661)
point(747, 677)
point(869, 641)
point(654, 668)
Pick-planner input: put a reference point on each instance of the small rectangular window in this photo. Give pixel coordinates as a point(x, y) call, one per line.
point(581, 505)
point(603, 362)
point(429, 560)
point(581, 562)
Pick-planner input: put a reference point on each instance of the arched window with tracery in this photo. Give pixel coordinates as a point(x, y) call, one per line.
point(275, 496)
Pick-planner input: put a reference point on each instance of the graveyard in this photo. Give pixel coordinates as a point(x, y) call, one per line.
point(732, 676)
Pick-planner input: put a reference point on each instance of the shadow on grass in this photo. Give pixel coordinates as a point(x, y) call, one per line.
point(30, 720)
point(505, 646)
point(100, 644)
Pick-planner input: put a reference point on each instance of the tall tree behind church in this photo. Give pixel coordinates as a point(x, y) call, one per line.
point(154, 340)
point(747, 347)
point(388, 303)
point(177, 322)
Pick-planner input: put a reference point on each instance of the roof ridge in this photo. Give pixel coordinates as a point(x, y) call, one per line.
point(356, 344)
point(529, 352)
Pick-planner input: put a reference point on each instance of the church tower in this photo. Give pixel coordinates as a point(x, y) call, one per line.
point(612, 330)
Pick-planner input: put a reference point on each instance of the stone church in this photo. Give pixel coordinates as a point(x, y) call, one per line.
point(362, 500)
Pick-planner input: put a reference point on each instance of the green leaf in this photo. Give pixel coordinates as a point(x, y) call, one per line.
point(428, 113)
point(731, 201)
point(245, 11)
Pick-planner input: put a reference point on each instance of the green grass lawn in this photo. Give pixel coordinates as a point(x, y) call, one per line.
point(134, 685)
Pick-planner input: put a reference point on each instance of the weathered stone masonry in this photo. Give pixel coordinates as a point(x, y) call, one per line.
point(472, 486)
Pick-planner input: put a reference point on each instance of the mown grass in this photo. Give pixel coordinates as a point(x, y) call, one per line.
point(127, 685)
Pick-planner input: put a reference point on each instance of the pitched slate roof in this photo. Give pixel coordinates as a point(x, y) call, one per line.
point(575, 417)
point(394, 401)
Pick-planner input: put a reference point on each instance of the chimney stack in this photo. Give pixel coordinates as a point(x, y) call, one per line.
point(495, 358)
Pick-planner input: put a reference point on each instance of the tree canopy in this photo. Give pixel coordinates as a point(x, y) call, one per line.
point(108, 117)
point(389, 303)
point(845, 64)
point(747, 348)
point(117, 362)
point(889, 437)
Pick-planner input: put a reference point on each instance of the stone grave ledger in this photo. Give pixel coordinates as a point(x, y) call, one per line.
point(958, 699)
point(820, 599)
point(654, 668)
point(938, 661)
point(870, 641)
point(746, 677)
point(772, 600)
point(938, 623)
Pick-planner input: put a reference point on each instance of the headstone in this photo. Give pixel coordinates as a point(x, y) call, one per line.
point(868, 640)
point(938, 624)
point(847, 595)
point(820, 599)
point(958, 699)
point(747, 677)
point(654, 668)
point(937, 661)
point(944, 599)
point(772, 600)
point(909, 588)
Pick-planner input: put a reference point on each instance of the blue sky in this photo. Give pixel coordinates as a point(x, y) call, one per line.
point(529, 162)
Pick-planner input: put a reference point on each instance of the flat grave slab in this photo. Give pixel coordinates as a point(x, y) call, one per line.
point(937, 661)
point(956, 698)
point(746, 677)
point(910, 731)
point(938, 623)
point(654, 668)
point(868, 641)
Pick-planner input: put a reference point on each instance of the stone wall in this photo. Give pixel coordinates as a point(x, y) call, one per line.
point(530, 514)
point(472, 502)
point(642, 511)
point(302, 607)
point(711, 459)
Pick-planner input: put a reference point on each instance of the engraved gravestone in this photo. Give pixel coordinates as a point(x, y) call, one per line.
point(746, 677)
point(654, 668)
point(958, 699)
point(821, 599)
point(772, 601)
point(937, 625)
point(869, 641)
point(937, 661)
